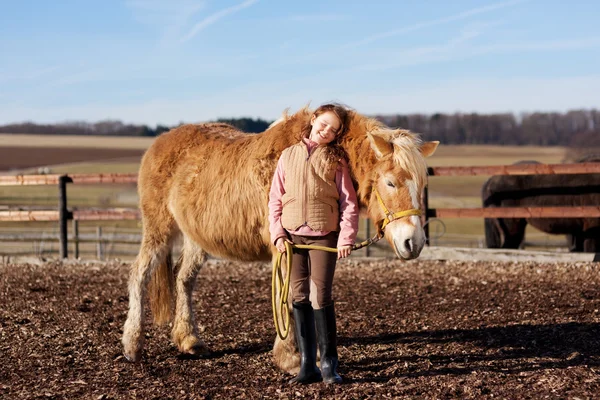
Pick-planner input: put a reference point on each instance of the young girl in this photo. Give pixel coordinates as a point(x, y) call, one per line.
point(312, 202)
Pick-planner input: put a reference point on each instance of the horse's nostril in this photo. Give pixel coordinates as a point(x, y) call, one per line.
point(408, 244)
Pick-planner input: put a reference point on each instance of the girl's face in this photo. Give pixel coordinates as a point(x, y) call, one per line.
point(324, 127)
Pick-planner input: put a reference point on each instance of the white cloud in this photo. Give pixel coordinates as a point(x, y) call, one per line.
point(456, 49)
point(164, 13)
point(545, 45)
point(318, 17)
point(470, 31)
point(211, 19)
point(428, 24)
point(169, 17)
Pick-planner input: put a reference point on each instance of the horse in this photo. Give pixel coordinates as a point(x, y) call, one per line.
point(208, 184)
point(583, 234)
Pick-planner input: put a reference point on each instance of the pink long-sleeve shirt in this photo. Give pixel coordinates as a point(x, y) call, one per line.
point(348, 204)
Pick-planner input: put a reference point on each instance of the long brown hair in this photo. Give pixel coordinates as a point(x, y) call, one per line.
point(335, 151)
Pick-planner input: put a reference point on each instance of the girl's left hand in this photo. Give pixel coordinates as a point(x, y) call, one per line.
point(344, 251)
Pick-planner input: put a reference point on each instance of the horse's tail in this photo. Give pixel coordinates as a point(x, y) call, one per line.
point(161, 291)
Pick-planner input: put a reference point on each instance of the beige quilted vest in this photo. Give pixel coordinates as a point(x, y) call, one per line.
point(311, 195)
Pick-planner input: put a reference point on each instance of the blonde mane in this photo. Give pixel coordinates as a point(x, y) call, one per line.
point(408, 156)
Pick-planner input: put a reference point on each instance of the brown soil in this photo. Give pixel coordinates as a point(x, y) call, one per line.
point(15, 158)
point(421, 329)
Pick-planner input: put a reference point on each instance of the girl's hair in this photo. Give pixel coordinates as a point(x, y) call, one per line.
point(335, 151)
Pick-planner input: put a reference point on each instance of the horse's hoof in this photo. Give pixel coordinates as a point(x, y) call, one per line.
point(194, 346)
point(135, 357)
point(132, 353)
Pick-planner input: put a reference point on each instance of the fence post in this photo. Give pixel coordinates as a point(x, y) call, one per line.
point(63, 215)
point(368, 235)
point(75, 238)
point(100, 245)
point(425, 218)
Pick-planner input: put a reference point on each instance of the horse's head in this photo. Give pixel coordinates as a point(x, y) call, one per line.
point(397, 179)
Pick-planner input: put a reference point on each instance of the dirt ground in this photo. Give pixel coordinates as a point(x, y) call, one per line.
point(419, 329)
point(16, 158)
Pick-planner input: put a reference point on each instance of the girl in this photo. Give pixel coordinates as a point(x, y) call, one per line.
point(313, 202)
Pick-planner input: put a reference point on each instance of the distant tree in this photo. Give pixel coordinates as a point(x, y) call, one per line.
point(247, 124)
point(160, 129)
point(584, 145)
point(147, 131)
point(577, 128)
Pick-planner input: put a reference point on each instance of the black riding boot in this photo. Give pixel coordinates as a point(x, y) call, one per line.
point(304, 317)
point(327, 335)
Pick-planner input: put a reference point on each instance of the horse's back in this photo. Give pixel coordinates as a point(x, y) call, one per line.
point(212, 183)
point(174, 144)
point(560, 190)
point(160, 162)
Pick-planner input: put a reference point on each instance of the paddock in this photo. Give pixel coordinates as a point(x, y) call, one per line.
point(422, 328)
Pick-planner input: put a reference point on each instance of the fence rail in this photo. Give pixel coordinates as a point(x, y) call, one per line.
point(116, 238)
point(518, 169)
point(104, 214)
point(516, 212)
point(27, 180)
point(63, 214)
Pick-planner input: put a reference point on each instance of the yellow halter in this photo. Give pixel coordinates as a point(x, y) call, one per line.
point(392, 216)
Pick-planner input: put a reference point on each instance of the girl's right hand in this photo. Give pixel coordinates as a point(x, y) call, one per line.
point(280, 244)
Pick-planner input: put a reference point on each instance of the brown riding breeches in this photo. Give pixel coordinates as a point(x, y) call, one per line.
point(313, 270)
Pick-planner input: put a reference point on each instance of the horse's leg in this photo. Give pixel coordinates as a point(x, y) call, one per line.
point(591, 240)
point(493, 237)
point(514, 232)
point(185, 332)
point(575, 242)
point(148, 258)
point(285, 352)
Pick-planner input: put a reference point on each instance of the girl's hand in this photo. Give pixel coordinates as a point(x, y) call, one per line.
point(344, 251)
point(280, 244)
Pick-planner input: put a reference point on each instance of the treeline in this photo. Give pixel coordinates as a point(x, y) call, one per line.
point(579, 128)
point(109, 128)
point(574, 128)
point(117, 128)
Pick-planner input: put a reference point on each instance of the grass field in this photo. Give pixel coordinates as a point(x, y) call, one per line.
point(454, 192)
point(66, 141)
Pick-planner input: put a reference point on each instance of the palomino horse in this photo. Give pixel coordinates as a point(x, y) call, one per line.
point(210, 184)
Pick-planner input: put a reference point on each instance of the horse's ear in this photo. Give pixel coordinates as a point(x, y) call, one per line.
point(428, 148)
point(380, 144)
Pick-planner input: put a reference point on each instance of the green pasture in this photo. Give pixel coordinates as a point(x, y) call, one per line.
point(444, 192)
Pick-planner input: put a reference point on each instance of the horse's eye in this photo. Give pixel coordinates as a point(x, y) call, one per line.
point(389, 183)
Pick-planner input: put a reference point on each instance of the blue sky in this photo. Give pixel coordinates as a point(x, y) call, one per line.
point(171, 61)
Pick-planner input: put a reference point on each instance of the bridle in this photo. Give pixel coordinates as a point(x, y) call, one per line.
point(391, 216)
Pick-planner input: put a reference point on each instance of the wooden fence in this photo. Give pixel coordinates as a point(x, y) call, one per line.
point(512, 212)
point(63, 214)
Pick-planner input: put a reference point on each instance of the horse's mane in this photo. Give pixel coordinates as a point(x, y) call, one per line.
point(409, 157)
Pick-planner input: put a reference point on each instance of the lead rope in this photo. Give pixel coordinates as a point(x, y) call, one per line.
point(281, 284)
